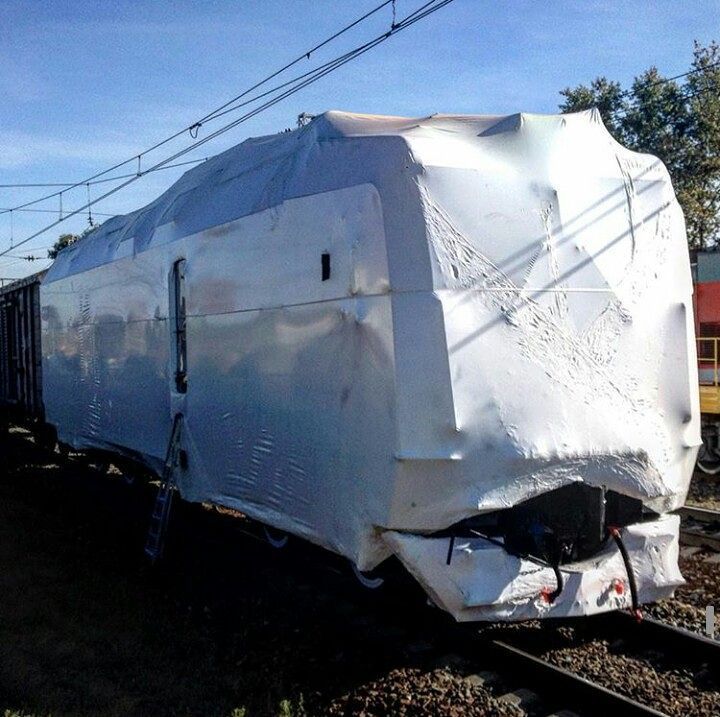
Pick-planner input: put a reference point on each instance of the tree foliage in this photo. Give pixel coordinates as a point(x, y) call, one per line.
point(68, 239)
point(63, 241)
point(679, 122)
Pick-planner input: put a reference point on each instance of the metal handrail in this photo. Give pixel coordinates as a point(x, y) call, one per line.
point(703, 359)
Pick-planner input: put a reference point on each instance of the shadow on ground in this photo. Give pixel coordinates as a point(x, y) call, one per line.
point(226, 625)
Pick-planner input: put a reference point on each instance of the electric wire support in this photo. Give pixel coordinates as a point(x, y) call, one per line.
point(269, 98)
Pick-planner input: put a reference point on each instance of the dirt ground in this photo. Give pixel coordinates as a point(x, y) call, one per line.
point(224, 626)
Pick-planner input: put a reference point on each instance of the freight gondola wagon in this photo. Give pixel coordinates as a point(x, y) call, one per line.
point(20, 355)
point(707, 327)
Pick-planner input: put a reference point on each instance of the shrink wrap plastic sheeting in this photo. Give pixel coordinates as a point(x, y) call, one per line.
point(508, 310)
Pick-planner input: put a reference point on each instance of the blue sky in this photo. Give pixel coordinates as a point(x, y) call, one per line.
point(86, 83)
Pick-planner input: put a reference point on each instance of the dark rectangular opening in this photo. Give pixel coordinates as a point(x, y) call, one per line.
point(180, 325)
point(325, 266)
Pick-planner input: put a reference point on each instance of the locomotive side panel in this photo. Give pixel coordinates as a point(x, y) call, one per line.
point(106, 354)
point(289, 405)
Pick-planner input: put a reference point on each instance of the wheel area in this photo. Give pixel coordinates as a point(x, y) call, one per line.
point(277, 538)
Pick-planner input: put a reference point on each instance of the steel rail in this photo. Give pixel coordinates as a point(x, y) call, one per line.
point(669, 639)
point(582, 695)
point(569, 689)
point(554, 685)
point(700, 526)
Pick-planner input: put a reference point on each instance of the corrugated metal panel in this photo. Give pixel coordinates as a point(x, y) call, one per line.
point(20, 355)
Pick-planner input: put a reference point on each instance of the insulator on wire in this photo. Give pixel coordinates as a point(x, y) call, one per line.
point(90, 219)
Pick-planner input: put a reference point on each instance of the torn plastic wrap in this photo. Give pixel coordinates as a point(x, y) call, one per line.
point(483, 582)
point(393, 326)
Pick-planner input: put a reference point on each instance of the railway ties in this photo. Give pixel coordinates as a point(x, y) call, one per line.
point(499, 661)
point(700, 527)
point(667, 638)
point(541, 688)
point(540, 682)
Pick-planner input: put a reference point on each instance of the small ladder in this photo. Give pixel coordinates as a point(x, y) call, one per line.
point(160, 517)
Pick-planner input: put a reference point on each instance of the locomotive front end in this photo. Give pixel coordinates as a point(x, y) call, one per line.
point(565, 413)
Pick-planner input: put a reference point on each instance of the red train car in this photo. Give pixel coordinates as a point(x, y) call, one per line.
point(707, 329)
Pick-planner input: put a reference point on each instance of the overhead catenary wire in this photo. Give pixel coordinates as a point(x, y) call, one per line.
point(70, 185)
point(321, 70)
point(54, 211)
point(684, 95)
point(10, 258)
point(27, 257)
point(301, 81)
point(213, 114)
point(305, 56)
point(220, 111)
point(666, 80)
point(623, 112)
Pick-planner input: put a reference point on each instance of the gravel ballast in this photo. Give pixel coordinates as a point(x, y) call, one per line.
point(228, 627)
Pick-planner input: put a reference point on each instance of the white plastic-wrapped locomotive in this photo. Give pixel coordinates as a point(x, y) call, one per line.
point(465, 341)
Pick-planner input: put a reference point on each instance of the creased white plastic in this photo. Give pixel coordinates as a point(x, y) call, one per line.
point(483, 583)
point(507, 312)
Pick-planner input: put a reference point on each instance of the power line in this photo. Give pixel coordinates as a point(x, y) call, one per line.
point(27, 257)
point(72, 185)
point(300, 58)
point(665, 80)
point(210, 116)
point(301, 82)
point(682, 97)
point(51, 211)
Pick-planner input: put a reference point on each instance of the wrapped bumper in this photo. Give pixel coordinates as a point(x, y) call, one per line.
point(483, 582)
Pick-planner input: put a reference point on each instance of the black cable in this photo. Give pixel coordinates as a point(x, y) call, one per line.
point(210, 116)
point(54, 211)
point(530, 558)
point(555, 594)
point(615, 533)
point(683, 95)
point(71, 185)
point(424, 11)
point(559, 582)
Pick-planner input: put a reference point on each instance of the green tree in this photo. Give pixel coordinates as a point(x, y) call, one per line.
point(63, 241)
point(679, 123)
point(68, 239)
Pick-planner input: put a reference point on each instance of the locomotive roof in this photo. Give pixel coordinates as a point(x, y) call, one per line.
point(265, 165)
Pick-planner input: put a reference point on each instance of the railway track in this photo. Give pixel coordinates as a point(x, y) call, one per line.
point(519, 653)
point(547, 689)
point(700, 527)
point(513, 672)
point(509, 662)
